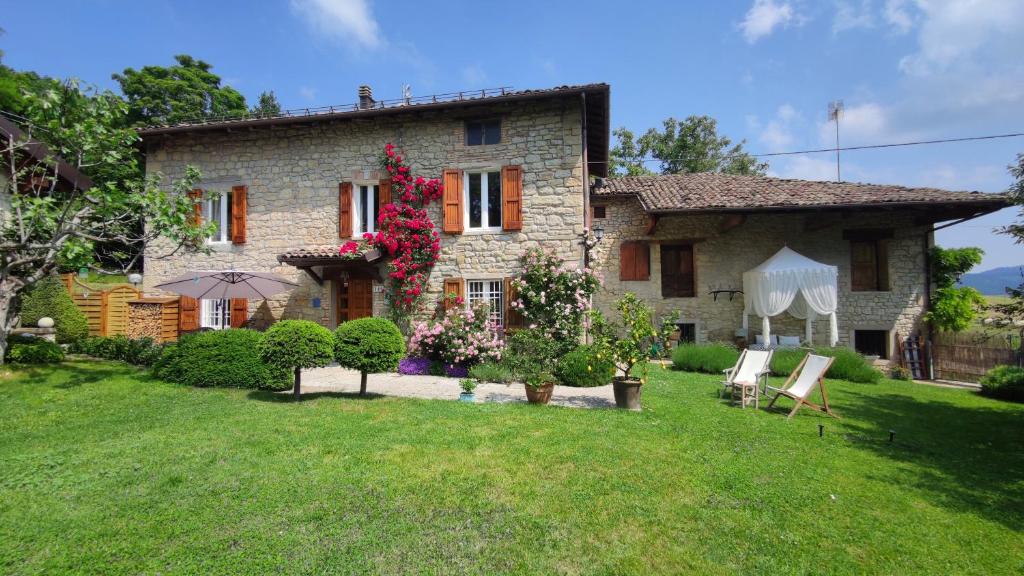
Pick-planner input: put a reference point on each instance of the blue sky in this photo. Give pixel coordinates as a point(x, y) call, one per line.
point(766, 69)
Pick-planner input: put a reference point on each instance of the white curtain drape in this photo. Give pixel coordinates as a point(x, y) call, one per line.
point(790, 282)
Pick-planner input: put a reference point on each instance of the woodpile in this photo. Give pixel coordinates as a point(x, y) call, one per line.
point(155, 318)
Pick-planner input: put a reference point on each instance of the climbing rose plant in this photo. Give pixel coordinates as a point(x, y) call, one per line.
point(405, 232)
point(552, 297)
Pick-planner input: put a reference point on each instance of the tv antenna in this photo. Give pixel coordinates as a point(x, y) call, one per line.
point(835, 111)
point(407, 93)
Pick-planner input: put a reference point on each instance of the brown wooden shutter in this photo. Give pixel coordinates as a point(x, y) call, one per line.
point(456, 286)
point(513, 318)
point(196, 196)
point(239, 312)
point(863, 266)
point(643, 261)
point(882, 256)
point(384, 193)
point(452, 201)
point(634, 261)
point(345, 210)
point(238, 208)
point(512, 197)
point(677, 271)
point(188, 314)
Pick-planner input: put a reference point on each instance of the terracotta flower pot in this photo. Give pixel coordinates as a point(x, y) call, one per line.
point(540, 394)
point(627, 393)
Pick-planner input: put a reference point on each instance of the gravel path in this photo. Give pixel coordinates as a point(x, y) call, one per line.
point(341, 380)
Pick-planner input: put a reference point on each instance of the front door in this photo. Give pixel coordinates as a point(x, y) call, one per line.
point(355, 299)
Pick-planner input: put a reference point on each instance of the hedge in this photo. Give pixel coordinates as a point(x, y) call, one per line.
point(49, 297)
point(714, 358)
point(21, 350)
point(141, 352)
point(224, 358)
point(1004, 383)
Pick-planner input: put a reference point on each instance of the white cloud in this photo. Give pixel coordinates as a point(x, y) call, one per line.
point(805, 168)
point(896, 14)
point(350, 21)
point(764, 17)
point(777, 134)
point(867, 123)
point(954, 33)
point(850, 16)
point(308, 93)
point(474, 76)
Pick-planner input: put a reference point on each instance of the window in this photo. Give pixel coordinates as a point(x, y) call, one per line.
point(872, 342)
point(490, 292)
point(480, 132)
point(599, 211)
point(677, 271)
point(367, 209)
point(869, 259)
point(687, 333)
point(483, 200)
point(218, 210)
point(215, 314)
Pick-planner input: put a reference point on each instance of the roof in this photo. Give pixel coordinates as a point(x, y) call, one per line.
point(714, 192)
point(328, 254)
point(596, 97)
point(64, 171)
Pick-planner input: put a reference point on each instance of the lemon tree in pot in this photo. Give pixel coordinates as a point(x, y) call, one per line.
point(627, 344)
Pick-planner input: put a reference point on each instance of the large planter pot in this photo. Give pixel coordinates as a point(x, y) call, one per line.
point(467, 397)
point(627, 393)
point(540, 394)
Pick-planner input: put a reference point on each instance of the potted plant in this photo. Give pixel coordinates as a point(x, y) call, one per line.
point(539, 386)
point(627, 345)
point(468, 386)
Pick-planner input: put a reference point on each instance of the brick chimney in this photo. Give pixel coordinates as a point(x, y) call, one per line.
point(365, 97)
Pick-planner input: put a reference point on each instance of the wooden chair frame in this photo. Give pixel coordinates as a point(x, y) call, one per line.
point(761, 376)
point(803, 401)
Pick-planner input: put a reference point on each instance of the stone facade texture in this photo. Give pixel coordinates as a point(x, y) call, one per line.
point(293, 174)
point(721, 256)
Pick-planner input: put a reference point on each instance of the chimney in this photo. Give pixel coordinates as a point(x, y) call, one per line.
point(365, 97)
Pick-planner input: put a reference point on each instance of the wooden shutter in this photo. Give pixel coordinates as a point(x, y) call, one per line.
point(452, 201)
point(882, 257)
point(456, 286)
point(345, 210)
point(188, 314)
point(512, 198)
point(677, 271)
point(634, 261)
point(513, 318)
point(383, 193)
point(196, 196)
point(239, 312)
point(238, 208)
point(863, 266)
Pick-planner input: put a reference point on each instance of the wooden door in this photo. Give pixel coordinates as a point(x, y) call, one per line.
point(355, 299)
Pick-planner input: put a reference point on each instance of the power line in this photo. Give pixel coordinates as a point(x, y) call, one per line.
point(838, 149)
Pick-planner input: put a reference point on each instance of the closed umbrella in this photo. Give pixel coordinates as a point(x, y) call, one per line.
point(229, 284)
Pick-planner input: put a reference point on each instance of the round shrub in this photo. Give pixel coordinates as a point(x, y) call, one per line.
point(530, 349)
point(34, 351)
point(369, 345)
point(1004, 382)
point(228, 358)
point(50, 298)
point(584, 368)
point(291, 344)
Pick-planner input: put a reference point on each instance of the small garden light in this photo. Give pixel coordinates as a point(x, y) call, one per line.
point(821, 430)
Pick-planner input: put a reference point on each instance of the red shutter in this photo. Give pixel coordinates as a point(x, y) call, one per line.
point(512, 197)
point(863, 266)
point(627, 261)
point(239, 312)
point(452, 201)
point(188, 314)
point(643, 261)
point(513, 319)
point(345, 210)
point(455, 286)
point(384, 192)
point(197, 216)
point(238, 208)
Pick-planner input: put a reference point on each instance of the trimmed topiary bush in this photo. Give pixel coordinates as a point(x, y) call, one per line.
point(584, 368)
point(50, 298)
point(370, 345)
point(33, 351)
point(292, 345)
point(222, 358)
point(708, 358)
point(1004, 383)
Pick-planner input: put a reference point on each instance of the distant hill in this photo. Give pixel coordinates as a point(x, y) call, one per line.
point(993, 282)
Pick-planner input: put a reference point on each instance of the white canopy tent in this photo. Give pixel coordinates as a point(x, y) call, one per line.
point(791, 282)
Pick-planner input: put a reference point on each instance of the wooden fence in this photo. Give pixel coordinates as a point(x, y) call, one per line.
point(967, 356)
point(106, 310)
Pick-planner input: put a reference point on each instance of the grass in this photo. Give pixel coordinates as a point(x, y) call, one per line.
point(105, 470)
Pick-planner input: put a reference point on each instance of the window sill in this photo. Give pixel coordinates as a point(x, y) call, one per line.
point(481, 231)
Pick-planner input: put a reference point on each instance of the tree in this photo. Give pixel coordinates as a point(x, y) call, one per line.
point(297, 344)
point(370, 345)
point(953, 307)
point(1014, 309)
point(52, 223)
point(681, 147)
point(267, 106)
point(185, 92)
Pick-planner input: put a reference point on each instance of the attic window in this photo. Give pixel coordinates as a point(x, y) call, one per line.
point(479, 132)
point(599, 211)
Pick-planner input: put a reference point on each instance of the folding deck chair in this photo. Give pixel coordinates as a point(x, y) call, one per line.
point(812, 371)
point(750, 370)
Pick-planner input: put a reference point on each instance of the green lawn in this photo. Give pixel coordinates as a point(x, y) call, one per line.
point(104, 470)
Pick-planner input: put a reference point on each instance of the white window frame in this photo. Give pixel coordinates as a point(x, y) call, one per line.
point(211, 317)
point(485, 224)
point(373, 198)
point(222, 235)
point(491, 291)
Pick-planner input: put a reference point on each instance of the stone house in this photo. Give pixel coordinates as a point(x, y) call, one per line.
point(526, 169)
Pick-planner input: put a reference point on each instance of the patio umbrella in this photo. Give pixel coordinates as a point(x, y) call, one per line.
point(229, 284)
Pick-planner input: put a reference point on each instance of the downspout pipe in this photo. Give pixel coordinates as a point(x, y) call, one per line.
point(586, 178)
point(927, 246)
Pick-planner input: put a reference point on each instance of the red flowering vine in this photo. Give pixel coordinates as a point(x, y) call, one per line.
point(406, 232)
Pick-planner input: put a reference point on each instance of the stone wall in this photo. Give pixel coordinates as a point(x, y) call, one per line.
point(292, 176)
point(721, 257)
